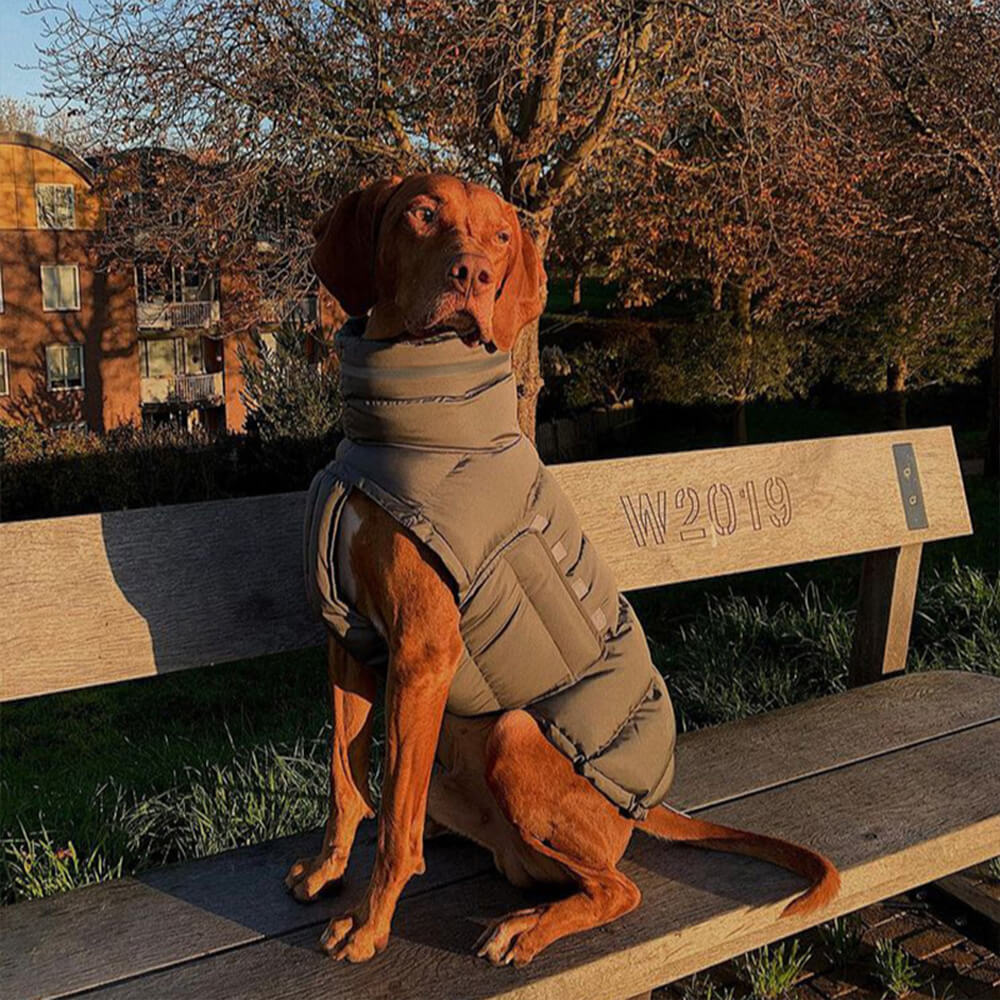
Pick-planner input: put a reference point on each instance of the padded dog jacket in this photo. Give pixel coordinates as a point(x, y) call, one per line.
point(431, 435)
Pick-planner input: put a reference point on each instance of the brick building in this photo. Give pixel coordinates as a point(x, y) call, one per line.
point(68, 344)
point(80, 344)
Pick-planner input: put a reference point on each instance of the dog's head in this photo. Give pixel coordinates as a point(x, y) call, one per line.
point(434, 253)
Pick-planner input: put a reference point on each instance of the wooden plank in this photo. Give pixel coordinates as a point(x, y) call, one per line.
point(142, 592)
point(123, 928)
point(890, 824)
point(236, 898)
point(86, 600)
point(666, 518)
point(980, 893)
point(721, 763)
point(887, 594)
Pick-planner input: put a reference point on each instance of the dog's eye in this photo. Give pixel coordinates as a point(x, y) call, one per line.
point(503, 236)
point(424, 214)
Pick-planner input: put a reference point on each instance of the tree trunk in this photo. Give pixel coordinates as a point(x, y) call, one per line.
point(993, 419)
point(744, 302)
point(577, 295)
point(529, 379)
point(740, 422)
point(525, 357)
point(895, 384)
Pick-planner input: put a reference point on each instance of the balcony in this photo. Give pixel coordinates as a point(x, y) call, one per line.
point(184, 390)
point(303, 312)
point(176, 315)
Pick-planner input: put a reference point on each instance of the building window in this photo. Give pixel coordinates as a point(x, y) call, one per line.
point(161, 358)
point(64, 366)
point(4, 377)
point(56, 206)
point(60, 287)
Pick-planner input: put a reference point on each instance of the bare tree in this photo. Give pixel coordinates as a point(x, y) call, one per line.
point(939, 61)
point(521, 94)
point(66, 127)
point(751, 185)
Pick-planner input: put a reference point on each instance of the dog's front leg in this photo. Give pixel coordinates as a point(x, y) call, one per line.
point(420, 673)
point(352, 696)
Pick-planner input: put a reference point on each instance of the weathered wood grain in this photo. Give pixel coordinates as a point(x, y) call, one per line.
point(813, 500)
point(886, 596)
point(725, 762)
point(87, 600)
point(890, 823)
point(207, 906)
point(93, 599)
point(124, 928)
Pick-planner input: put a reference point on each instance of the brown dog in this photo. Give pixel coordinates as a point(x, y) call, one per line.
point(426, 253)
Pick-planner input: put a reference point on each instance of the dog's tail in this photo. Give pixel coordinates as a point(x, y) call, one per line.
point(669, 824)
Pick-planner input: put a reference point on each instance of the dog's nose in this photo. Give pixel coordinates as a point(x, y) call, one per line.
point(470, 273)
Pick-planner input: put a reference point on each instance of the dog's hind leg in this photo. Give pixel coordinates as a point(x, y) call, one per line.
point(559, 814)
point(352, 694)
point(460, 801)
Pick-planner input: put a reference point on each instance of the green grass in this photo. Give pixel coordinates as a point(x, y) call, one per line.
point(192, 764)
point(772, 971)
point(895, 970)
point(841, 940)
point(700, 987)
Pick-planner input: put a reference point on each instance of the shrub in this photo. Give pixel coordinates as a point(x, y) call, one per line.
point(287, 394)
point(611, 370)
point(47, 473)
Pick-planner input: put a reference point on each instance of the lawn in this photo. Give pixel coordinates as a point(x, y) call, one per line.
point(109, 780)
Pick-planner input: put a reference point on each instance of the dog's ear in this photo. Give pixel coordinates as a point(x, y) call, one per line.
point(346, 238)
point(522, 295)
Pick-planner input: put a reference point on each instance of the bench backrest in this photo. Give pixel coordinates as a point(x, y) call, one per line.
point(107, 597)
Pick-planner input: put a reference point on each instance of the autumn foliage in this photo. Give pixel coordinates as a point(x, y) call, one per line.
point(807, 163)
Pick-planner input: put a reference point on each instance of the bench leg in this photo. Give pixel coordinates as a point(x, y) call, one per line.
point(885, 611)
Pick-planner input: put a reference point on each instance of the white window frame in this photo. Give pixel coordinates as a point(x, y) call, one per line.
point(48, 369)
point(74, 308)
point(41, 214)
point(4, 373)
point(1, 289)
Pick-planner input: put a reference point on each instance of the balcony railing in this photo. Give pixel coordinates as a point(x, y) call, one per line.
point(198, 388)
point(187, 389)
point(175, 315)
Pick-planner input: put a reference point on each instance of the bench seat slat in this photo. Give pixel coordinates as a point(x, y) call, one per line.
point(231, 900)
point(891, 823)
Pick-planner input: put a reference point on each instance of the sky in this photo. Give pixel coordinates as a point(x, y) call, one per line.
point(19, 34)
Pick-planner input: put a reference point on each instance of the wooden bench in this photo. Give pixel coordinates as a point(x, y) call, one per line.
point(896, 781)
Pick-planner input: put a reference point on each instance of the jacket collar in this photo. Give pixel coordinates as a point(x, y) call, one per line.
point(436, 394)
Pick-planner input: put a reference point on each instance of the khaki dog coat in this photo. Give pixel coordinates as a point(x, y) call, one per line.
point(431, 435)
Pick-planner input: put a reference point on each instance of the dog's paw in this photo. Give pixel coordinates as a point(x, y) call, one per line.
point(347, 938)
point(509, 940)
point(308, 877)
